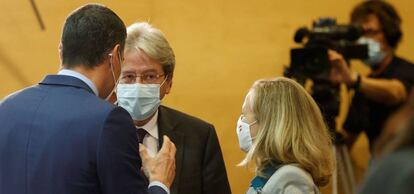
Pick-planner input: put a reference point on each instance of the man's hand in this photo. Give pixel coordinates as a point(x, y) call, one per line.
point(340, 72)
point(161, 167)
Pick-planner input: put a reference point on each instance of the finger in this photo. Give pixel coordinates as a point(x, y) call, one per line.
point(144, 172)
point(165, 145)
point(143, 152)
point(334, 56)
point(330, 51)
point(170, 144)
point(333, 52)
point(173, 150)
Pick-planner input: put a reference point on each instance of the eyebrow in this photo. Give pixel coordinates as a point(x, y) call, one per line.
point(150, 71)
point(128, 71)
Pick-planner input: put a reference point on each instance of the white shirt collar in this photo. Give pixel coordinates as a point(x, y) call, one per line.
point(80, 76)
point(151, 127)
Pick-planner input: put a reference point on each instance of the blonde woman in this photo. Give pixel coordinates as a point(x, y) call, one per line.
point(282, 130)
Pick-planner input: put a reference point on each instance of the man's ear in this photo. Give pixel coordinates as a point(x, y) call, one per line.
point(169, 84)
point(60, 52)
point(116, 58)
point(117, 52)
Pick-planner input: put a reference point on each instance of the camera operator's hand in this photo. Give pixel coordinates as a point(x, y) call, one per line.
point(385, 91)
point(340, 72)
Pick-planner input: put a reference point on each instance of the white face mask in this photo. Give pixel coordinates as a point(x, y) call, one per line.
point(140, 100)
point(375, 54)
point(243, 134)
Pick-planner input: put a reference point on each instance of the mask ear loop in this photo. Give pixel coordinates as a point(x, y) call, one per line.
point(253, 138)
point(115, 80)
point(166, 77)
point(252, 123)
point(112, 68)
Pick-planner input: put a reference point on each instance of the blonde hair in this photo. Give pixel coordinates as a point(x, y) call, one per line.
point(142, 37)
point(291, 129)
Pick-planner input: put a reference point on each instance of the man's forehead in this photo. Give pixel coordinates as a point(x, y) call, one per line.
point(135, 68)
point(140, 69)
point(135, 61)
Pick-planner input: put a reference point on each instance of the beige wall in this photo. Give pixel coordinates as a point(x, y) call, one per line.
point(221, 48)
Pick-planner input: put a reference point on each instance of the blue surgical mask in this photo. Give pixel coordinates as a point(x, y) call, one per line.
point(375, 54)
point(243, 134)
point(140, 100)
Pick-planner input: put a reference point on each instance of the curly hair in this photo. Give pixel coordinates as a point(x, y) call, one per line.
point(387, 15)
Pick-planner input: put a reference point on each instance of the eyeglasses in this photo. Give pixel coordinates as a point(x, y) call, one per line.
point(148, 78)
point(371, 32)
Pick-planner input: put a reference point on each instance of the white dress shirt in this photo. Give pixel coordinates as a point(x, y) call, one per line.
point(151, 142)
point(80, 76)
point(151, 138)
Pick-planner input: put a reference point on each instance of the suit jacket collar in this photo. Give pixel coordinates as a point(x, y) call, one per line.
point(167, 123)
point(65, 80)
point(165, 120)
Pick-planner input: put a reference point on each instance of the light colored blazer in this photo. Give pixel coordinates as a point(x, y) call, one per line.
point(289, 179)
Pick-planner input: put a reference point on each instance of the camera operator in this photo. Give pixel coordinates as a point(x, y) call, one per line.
point(387, 85)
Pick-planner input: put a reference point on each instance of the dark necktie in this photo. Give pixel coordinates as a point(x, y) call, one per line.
point(141, 134)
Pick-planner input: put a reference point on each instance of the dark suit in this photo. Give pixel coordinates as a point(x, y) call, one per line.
point(200, 167)
point(59, 138)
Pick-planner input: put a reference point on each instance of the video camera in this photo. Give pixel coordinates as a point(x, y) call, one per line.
point(312, 60)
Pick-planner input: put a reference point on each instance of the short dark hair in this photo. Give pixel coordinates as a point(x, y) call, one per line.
point(387, 15)
point(89, 34)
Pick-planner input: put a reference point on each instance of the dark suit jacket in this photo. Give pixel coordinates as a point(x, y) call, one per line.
point(59, 138)
point(200, 167)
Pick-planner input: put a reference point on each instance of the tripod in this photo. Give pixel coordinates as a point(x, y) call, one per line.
point(326, 96)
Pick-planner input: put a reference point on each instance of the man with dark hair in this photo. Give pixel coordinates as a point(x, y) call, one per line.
point(386, 87)
point(60, 137)
point(88, 39)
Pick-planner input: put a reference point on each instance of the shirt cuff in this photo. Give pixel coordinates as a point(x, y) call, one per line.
point(158, 183)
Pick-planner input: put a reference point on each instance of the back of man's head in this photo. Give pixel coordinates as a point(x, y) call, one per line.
point(387, 15)
point(89, 34)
